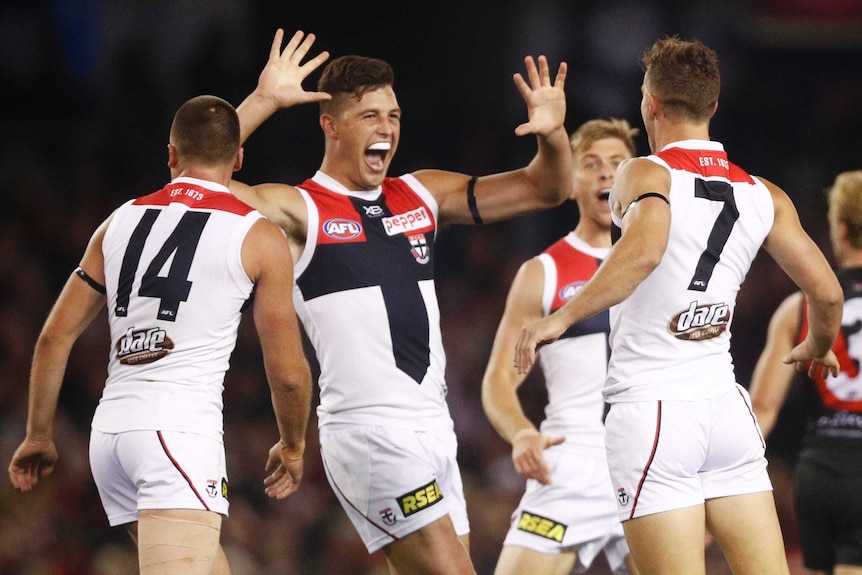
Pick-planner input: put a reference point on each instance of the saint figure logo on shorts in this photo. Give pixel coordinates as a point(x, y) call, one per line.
point(212, 487)
point(623, 496)
point(387, 516)
point(419, 248)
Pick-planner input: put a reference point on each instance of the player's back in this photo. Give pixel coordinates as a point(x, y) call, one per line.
point(176, 288)
point(671, 338)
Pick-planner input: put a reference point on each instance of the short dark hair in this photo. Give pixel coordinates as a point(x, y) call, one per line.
point(684, 75)
point(353, 76)
point(205, 130)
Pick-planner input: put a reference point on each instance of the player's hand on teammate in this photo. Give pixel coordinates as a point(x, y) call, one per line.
point(533, 336)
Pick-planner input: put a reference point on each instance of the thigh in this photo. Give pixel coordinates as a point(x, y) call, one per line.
point(517, 560)
point(432, 549)
point(747, 529)
point(392, 482)
point(178, 541)
point(812, 511)
point(668, 543)
point(829, 508)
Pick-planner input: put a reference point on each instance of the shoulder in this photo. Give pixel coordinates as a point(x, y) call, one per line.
point(638, 176)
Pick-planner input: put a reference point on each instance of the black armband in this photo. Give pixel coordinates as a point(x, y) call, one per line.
point(646, 195)
point(90, 281)
point(471, 200)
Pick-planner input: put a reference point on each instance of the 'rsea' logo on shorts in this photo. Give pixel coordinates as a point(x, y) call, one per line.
point(542, 526)
point(415, 501)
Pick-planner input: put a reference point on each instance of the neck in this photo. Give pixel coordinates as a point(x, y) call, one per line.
point(851, 258)
point(219, 175)
point(669, 133)
point(596, 236)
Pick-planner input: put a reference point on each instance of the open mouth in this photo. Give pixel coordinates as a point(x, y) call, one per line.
point(375, 154)
point(605, 194)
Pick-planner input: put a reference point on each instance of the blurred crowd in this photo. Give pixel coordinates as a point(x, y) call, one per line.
point(89, 89)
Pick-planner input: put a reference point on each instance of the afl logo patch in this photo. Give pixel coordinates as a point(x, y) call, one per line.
point(342, 229)
point(568, 290)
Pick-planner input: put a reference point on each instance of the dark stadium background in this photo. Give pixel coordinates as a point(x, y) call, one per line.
point(89, 89)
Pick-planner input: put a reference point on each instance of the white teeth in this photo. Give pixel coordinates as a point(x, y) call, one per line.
point(380, 146)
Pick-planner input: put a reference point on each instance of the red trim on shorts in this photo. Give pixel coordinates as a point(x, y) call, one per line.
point(180, 469)
point(649, 462)
point(340, 492)
point(753, 418)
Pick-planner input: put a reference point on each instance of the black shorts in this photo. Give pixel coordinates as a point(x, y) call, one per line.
point(829, 508)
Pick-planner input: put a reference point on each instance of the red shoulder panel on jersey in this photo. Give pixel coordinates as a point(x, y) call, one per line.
point(195, 197)
point(708, 163)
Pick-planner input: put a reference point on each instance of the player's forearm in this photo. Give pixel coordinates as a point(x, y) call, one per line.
point(253, 112)
point(291, 402)
point(46, 378)
point(551, 169)
point(824, 315)
point(501, 405)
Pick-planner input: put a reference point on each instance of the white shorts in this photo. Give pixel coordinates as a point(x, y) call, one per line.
point(392, 482)
point(576, 512)
point(137, 470)
point(667, 455)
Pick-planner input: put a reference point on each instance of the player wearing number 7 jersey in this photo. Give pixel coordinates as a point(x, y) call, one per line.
point(684, 450)
point(176, 269)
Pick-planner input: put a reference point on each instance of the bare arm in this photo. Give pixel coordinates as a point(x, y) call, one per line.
point(266, 256)
point(280, 82)
point(771, 380)
point(798, 255)
point(645, 230)
point(544, 183)
point(501, 382)
point(75, 309)
point(282, 205)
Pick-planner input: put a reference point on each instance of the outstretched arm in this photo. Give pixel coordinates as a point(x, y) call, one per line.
point(645, 231)
point(501, 382)
point(798, 255)
point(544, 183)
point(75, 309)
point(772, 376)
point(280, 82)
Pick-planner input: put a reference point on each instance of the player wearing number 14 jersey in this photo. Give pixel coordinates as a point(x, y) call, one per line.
point(176, 269)
point(684, 449)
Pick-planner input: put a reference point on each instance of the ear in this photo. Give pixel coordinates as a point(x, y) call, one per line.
point(327, 124)
point(843, 231)
point(237, 165)
point(654, 106)
point(172, 156)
